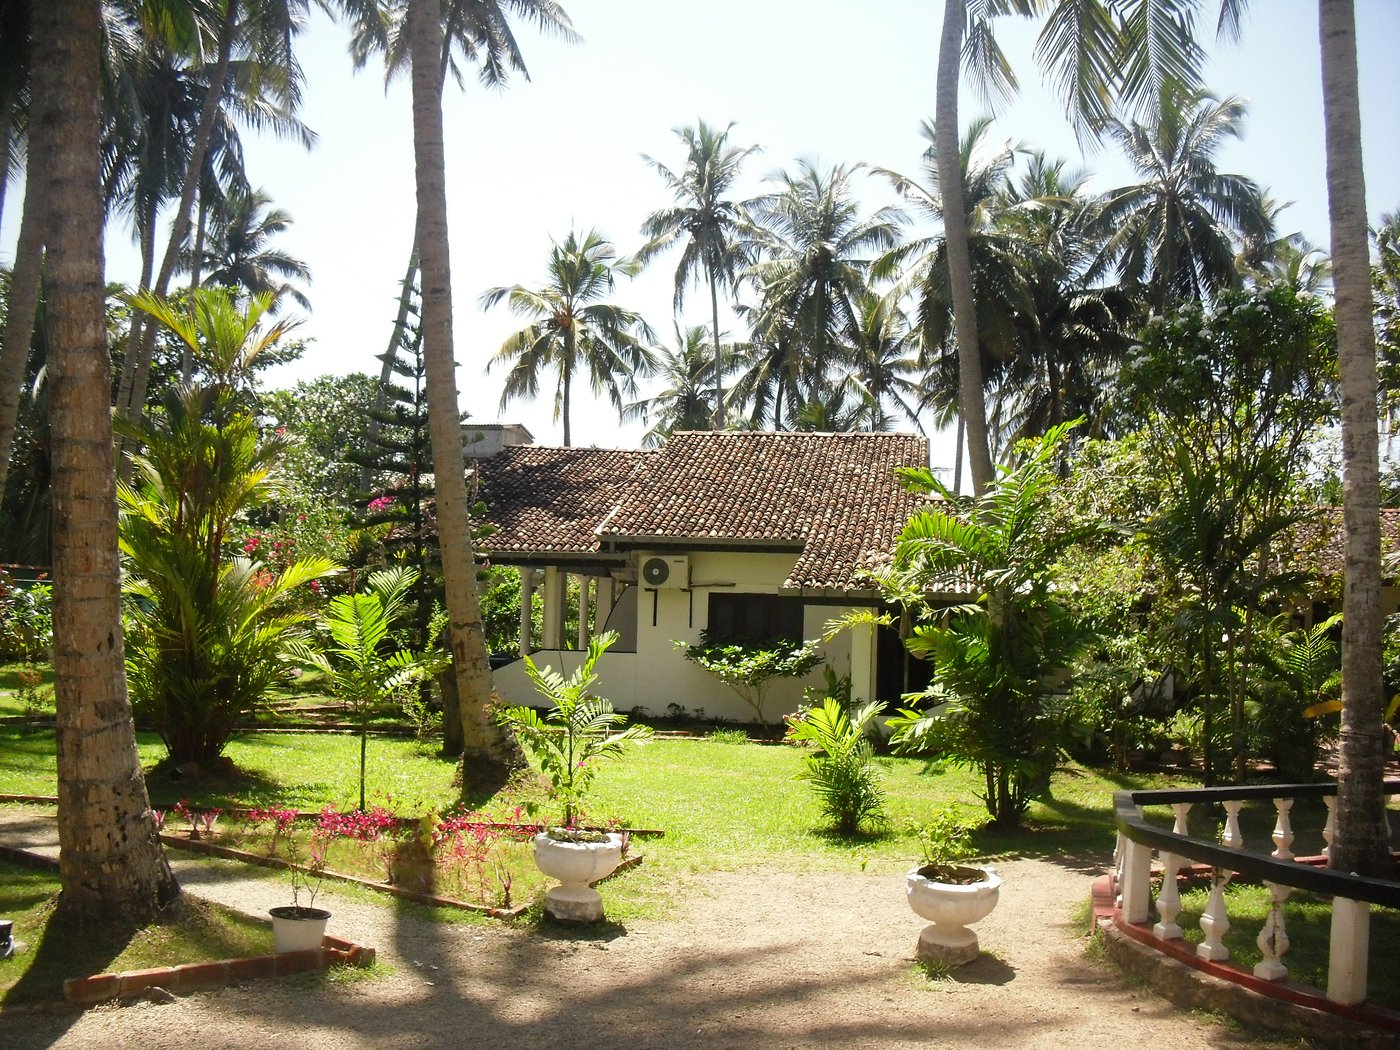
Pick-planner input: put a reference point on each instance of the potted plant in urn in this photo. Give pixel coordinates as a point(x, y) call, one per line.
point(568, 741)
point(951, 895)
point(296, 927)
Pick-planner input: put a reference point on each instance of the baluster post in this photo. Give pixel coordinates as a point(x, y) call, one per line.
point(1233, 837)
point(1273, 938)
point(1283, 830)
point(1330, 828)
point(1214, 922)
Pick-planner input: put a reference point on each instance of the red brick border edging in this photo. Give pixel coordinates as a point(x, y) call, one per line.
point(84, 991)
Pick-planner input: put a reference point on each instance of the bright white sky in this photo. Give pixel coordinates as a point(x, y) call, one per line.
point(821, 79)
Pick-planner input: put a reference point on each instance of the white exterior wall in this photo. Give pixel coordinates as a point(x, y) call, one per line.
point(658, 675)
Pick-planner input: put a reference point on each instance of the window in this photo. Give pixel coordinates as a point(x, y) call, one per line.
point(748, 619)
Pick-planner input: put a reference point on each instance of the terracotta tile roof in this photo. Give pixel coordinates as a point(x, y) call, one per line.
point(550, 500)
point(831, 497)
point(1321, 544)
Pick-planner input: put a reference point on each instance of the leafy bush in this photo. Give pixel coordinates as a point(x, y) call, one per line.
point(945, 838)
point(841, 772)
point(750, 669)
point(211, 629)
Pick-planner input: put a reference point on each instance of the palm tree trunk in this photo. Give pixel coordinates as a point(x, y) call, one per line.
point(1360, 844)
point(958, 456)
point(110, 860)
point(19, 323)
point(139, 320)
point(196, 277)
point(488, 756)
point(971, 396)
point(719, 371)
point(566, 375)
point(386, 370)
point(131, 405)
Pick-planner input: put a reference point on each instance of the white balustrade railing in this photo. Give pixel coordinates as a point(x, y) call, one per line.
point(1279, 871)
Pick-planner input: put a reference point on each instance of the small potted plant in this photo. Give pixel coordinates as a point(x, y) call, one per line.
point(568, 741)
point(298, 927)
point(950, 894)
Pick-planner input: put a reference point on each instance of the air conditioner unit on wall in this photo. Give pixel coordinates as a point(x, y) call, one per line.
point(672, 570)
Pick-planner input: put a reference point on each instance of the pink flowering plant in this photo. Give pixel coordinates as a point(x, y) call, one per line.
point(573, 736)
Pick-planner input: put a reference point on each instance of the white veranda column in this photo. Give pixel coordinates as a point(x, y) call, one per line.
point(527, 602)
point(603, 600)
point(553, 608)
point(584, 583)
point(864, 650)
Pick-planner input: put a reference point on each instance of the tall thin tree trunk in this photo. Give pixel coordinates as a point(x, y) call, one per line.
point(201, 229)
point(24, 301)
point(386, 370)
point(958, 455)
point(971, 396)
point(110, 860)
point(489, 755)
point(139, 321)
point(719, 369)
point(1360, 844)
point(132, 403)
point(566, 375)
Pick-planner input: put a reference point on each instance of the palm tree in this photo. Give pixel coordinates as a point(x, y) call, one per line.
point(255, 75)
point(574, 328)
point(1071, 341)
point(488, 754)
point(884, 363)
point(710, 226)
point(1095, 53)
point(1175, 233)
point(237, 254)
point(1361, 844)
point(111, 864)
point(473, 31)
point(815, 252)
point(685, 402)
point(998, 260)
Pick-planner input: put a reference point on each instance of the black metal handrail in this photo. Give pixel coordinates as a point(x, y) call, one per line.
point(1252, 865)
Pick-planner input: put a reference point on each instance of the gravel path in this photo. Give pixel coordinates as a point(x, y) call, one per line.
point(746, 959)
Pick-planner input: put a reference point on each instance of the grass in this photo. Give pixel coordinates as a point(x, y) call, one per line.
point(10, 684)
point(57, 950)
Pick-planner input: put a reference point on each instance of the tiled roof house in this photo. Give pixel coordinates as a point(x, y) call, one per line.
point(738, 533)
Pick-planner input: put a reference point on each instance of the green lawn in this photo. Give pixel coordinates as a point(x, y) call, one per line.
point(202, 933)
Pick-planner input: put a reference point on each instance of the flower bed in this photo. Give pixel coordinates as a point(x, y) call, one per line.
point(460, 857)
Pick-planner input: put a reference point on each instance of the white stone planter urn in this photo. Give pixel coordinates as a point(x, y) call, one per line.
point(951, 907)
point(576, 865)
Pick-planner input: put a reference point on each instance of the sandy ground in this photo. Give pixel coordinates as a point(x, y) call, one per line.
point(746, 959)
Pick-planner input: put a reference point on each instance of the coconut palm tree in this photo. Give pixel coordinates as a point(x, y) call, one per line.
point(685, 370)
point(884, 364)
point(709, 225)
point(1071, 341)
point(999, 261)
point(1361, 844)
point(1096, 54)
point(475, 32)
point(575, 328)
point(237, 253)
point(1176, 233)
point(111, 865)
point(814, 254)
point(254, 74)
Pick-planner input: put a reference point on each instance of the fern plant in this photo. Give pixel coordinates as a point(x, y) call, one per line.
point(841, 770)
